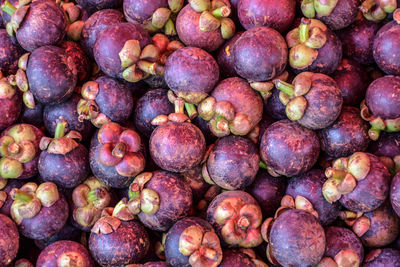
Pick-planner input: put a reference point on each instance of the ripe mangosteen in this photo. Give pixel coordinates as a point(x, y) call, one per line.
point(225, 57)
point(288, 148)
point(361, 182)
point(10, 240)
point(82, 63)
point(39, 211)
point(19, 151)
point(192, 242)
point(382, 257)
point(313, 47)
point(236, 217)
point(116, 155)
point(238, 258)
point(65, 253)
point(10, 51)
point(10, 104)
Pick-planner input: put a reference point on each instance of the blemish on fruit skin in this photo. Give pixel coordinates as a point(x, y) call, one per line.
point(228, 53)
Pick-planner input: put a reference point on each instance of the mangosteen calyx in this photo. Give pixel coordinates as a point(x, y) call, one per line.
point(21, 81)
point(311, 8)
point(265, 88)
point(143, 199)
point(178, 116)
point(377, 11)
point(357, 221)
point(17, 15)
point(60, 144)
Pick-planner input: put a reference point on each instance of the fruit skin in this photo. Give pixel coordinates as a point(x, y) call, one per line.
point(96, 23)
point(309, 185)
point(10, 240)
point(191, 69)
point(150, 105)
point(268, 191)
point(50, 255)
point(348, 134)
point(225, 57)
point(382, 257)
point(277, 14)
point(111, 40)
point(340, 238)
point(233, 162)
point(51, 67)
point(128, 244)
point(140, 12)
point(297, 244)
point(177, 147)
point(10, 108)
point(92, 6)
point(395, 193)
point(10, 51)
point(274, 107)
point(156, 264)
point(235, 258)
point(343, 15)
point(82, 63)
point(260, 54)
point(33, 116)
point(288, 148)
point(68, 232)
point(387, 145)
point(370, 192)
point(175, 200)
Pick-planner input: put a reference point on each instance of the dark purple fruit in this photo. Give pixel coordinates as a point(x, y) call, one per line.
point(237, 258)
point(274, 107)
point(82, 63)
point(10, 240)
point(225, 57)
point(200, 188)
point(68, 232)
point(289, 149)
point(10, 51)
point(387, 148)
point(386, 48)
point(395, 193)
point(276, 14)
point(156, 264)
point(92, 6)
point(10, 104)
point(385, 257)
point(33, 116)
point(65, 252)
point(348, 134)
point(233, 163)
point(260, 54)
point(192, 242)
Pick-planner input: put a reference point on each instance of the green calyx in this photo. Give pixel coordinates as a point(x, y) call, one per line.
point(377, 10)
point(163, 19)
point(322, 8)
point(60, 144)
point(7, 91)
point(143, 199)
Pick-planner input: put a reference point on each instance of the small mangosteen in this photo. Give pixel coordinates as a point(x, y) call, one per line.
point(313, 47)
point(361, 182)
point(382, 257)
point(10, 104)
point(159, 199)
point(232, 163)
point(236, 217)
point(314, 100)
point(117, 239)
point(82, 63)
point(105, 99)
point(19, 151)
point(395, 193)
point(65, 253)
point(10, 240)
point(10, 51)
point(39, 211)
point(288, 148)
point(116, 155)
point(192, 242)
point(348, 134)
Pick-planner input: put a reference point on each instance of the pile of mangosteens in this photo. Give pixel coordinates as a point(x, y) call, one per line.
point(203, 133)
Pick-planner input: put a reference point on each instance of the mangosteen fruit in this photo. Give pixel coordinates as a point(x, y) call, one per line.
point(10, 51)
point(10, 240)
point(10, 104)
point(382, 257)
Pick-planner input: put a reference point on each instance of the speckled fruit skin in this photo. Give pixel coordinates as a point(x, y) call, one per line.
point(382, 257)
point(175, 200)
point(115, 100)
point(235, 258)
point(309, 185)
point(95, 24)
point(370, 192)
point(48, 256)
point(111, 40)
point(387, 145)
point(395, 193)
point(243, 98)
point(188, 29)
point(358, 40)
point(11, 183)
point(150, 105)
point(339, 238)
point(177, 147)
point(225, 57)
point(128, 244)
point(383, 97)
point(68, 170)
point(352, 80)
point(92, 6)
point(82, 63)
point(344, 14)
point(260, 54)
point(10, 240)
point(52, 74)
point(47, 222)
point(288, 148)
point(348, 134)
point(10, 51)
point(191, 69)
point(205, 129)
point(142, 11)
point(233, 162)
point(386, 48)
point(277, 14)
point(44, 24)
point(197, 183)
point(384, 227)
point(10, 110)
point(274, 107)
point(268, 191)
point(172, 253)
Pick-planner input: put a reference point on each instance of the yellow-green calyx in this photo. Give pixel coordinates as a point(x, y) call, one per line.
point(17, 14)
point(143, 199)
point(240, 222)
point(265, 88)
point(71, 258)
point(60, 144)
point(344, 174)
point(202, 247)
point(90, 198)
point(214, 15)
point(357, 221)
point(29, 199)
point(7, 91)
point(177, 116)
point(304, 42)
point(345, 257)
point(377, 10)
point(321, 8)
point(21, 81)
point(377, 123)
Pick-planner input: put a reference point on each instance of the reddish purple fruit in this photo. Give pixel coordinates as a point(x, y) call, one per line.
point(395, 193)
point(225, 57)
point(10, 104)
point(82, 63)
point(10, 51)
point(382, 257)
point(10, 240)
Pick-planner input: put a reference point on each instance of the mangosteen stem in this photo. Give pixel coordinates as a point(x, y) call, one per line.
point(304, 30)
point(285, 87)
point(8, 8)
point(221, 12)
point(60, 129)
point(367, 5)
point(179, 106)
point(191, 110)
point(119, 150)
point(24, 197)
point(262, 165)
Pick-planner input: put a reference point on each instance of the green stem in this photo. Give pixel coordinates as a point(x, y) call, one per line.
point(21, 196)
point(285, 87)
point(191, 110)
point(262, 165)
point(221, 12)
point(92, 196)
point(179, 106)
point(8, 8)
point(60, 129)
point(304, 30)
